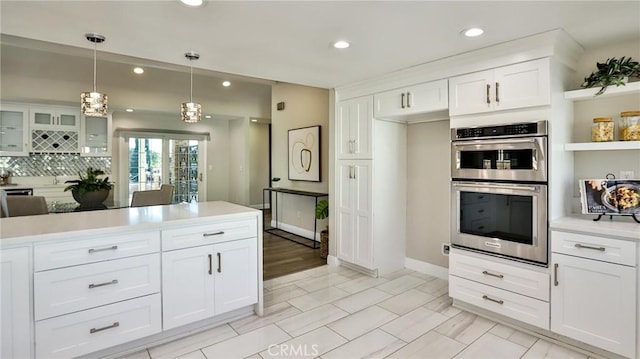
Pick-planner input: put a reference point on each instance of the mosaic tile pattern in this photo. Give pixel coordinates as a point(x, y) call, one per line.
point(52, 164)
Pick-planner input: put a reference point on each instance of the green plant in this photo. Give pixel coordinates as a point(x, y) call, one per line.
point(322, 209)
point(89, 183)
point(612, 72)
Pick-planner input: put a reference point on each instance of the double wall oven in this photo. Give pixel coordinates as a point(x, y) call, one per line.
point(499, 190)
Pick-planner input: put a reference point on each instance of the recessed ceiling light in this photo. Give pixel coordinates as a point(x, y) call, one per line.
point(473, 32)
point(138, 70)
point(341, 44)
point(129, 110)
point(254, 120)
point(226, 84)
point(207, 116)
point(192, 2)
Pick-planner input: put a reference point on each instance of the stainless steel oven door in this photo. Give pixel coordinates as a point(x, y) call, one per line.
point(507, 219)
point(509, 159)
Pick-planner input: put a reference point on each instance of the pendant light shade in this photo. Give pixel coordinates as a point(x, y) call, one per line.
point(94, 103)
point(191, 112)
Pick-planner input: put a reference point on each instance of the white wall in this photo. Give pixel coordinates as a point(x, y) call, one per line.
point(428, 174)
point(258, 161)
point(304, 106)
point(239, 161)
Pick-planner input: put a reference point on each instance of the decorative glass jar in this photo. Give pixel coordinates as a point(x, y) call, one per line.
point(629, 126)
point(602, 129)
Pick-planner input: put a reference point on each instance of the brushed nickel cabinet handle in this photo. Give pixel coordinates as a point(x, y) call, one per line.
point(488, 89)
point(95, 330)
point(485, 297)
point(584, 246)
point(210, 264)
point(497, 94)
point(91, 286)
point(408, 99)
point(492, 274)
point(402, 100)
point(94, 250)
point(219, 263)
point(555, 274)
point(213, 234)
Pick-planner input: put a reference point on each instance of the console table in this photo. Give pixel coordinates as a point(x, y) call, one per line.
point(274, 211)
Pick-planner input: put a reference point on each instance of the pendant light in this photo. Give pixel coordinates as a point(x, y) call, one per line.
point(94, 103)
point(191, 112)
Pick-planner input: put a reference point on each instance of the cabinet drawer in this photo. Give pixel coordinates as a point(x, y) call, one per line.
point(68, 290)
point(592, 247)
point(208, 234)
point(99, 328)
point(519, 307)
point(515, 279)
point(66, 254)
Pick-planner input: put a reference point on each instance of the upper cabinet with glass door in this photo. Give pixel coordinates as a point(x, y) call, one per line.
point(54, 117)
point(95, 136)
point(14, 130)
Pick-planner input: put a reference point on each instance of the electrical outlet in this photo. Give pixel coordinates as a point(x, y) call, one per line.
point(446, 247)
point(626, 174)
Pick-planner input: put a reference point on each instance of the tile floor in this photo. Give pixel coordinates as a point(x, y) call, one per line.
point(334, 312)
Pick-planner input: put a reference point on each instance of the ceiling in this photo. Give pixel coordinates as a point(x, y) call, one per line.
point(289, 41)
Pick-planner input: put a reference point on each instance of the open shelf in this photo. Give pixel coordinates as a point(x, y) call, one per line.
point(603, 146)
point(590, 93)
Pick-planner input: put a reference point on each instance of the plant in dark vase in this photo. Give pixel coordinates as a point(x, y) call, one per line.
point(322, 212)
point(90, 190)
point(612, 72)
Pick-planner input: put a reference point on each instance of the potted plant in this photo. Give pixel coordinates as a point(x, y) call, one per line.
point(322, 212)
point(89, 190)
point(612, 72)
point(274, 182)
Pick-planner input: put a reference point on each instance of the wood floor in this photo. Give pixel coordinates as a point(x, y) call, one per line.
point(282, 256)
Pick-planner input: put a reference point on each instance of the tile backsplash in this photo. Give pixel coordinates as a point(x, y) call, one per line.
point(52, 164)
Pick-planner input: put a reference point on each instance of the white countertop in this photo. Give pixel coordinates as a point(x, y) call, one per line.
point(620, 227)
point(17, 230)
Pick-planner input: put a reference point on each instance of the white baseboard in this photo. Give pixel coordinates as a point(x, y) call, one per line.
point(426, 268)
point(296, 230)
point(333, 261)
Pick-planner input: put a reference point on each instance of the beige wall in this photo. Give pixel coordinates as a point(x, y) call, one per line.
point(259, 161)
point(428, 208)
point(304, 106)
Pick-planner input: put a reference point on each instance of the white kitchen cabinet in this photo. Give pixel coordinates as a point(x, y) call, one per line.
point(354, 125)
point(427, 97)
point(369, 188)
point(354, 188)
point(15, 294)
point(14, 130)
point(221, 277)
point(55, 117)
point(515, 86)
point(594, 301)
point(95, 136)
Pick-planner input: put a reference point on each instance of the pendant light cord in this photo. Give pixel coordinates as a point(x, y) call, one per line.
point(191, 80)
point(95, 46)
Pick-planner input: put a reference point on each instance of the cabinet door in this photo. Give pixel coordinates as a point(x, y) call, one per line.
point(354, 128)
point(595, 302)
point(427, 97)
point(471, 93)
point(236, 274)
point(14, 131)
point(522, 85)
point(95, 136)
point(187, 286)
point(362, 197)
point(355, 242)
point(14, 303)
point(390, 103)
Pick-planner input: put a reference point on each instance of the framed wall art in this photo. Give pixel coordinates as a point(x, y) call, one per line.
point(304, 154)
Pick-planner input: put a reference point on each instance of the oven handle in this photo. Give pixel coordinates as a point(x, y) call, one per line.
point(488, 185)
point(494, 142)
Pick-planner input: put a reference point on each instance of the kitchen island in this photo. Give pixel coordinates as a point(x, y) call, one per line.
point(103, 283)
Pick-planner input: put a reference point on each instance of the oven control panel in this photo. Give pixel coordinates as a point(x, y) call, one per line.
point(511, 130)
